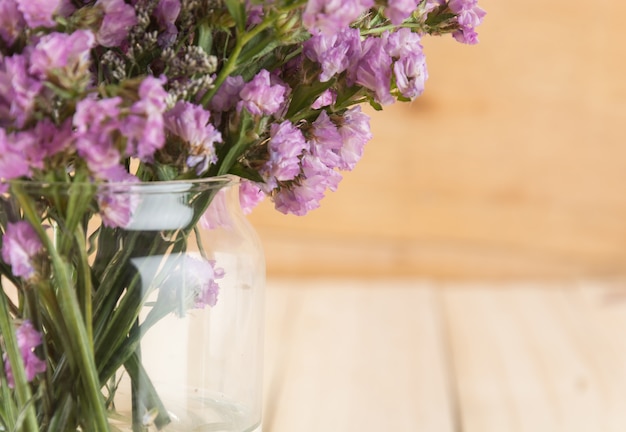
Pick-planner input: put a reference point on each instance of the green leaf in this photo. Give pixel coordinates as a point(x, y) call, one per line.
point(247, 173)
point(303, 96)
point(237, 10)
point(241, 143)
point(434, 20)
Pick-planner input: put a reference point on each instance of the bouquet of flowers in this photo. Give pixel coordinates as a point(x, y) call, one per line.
point(96, 95)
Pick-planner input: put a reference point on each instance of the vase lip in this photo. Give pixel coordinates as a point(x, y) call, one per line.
point(214, 181)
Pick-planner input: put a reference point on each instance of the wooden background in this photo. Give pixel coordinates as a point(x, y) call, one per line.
point(512, 164)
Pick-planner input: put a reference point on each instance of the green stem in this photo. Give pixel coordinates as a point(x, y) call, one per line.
point(86, 285)
point(231, 63)
point(21, 386)
point(76, 327)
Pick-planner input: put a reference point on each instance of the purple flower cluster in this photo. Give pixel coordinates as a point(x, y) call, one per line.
point(375, 62)
point(303, 166)
point(20, 245)
point(27, 340)
point(469, 16)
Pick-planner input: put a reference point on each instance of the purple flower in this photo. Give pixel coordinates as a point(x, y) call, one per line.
point(51, 139)
point(325, 99)
point(96, 123)
point(285, 147)
point(325, 141)
point(38, 13)
point(410, 66)
point(410, 74)
point(119, 18)
point(11, 21)
point(250, 195)
point(61, 50)
point(374, 69)
point(260, 97)
point(166, 14)
point(115, 204)
point(18, 91)
point(399, 10)
point(331, 16)
point(469, 15)
point(200, 276)
point(191, 123)
point(306, 195)
point(13, 163)
point(254, 13)
point(27, 340)
point(227, 95)
point(404, 42)
point(144, 128)
point(20, 244)
point(355, 132)
point(334, 52)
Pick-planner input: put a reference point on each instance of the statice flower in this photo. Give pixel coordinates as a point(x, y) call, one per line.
point(260, 96)
point(250, 195)
point(39, 13)
point(51, 139)
point(327, 98)
point(227, 95)
point(27, 340)
point(373, 70)
point(18, 90)
point(331, 16)
point(96, 122)
point(11, 21)
point(325, 141)
point(62, 51)
point(13, 163)
point(166, 13)
point(399, 10)
point(355, 132)
point(306, 194)
point(334, 52)
point(191, 123)
point(143, 128)
point(410, 66)
point(20, 245)
point(115, 205)
point(119, 18)
point(285, 147)
point(469, 16)
point(202, 274)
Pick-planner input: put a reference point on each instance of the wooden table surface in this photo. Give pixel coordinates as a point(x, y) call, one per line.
point(412, 355)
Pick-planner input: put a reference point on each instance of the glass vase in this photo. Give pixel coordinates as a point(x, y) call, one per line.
point(147, 303)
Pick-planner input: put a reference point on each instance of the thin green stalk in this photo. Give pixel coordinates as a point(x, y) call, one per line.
point(70, 308)
point(85, 271)
point(21, 386)
point(231, 63)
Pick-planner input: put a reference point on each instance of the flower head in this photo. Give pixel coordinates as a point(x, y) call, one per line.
point(331, 16)
point(260, 96)
point(191, 123)
point(39, 13)
point(119, 18)
point(27, 340)
point(20, 245)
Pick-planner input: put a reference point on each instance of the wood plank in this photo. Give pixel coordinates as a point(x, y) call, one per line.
point(535, 357)
point(356, 356)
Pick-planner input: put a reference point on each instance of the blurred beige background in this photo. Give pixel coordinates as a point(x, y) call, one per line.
point(512, 163)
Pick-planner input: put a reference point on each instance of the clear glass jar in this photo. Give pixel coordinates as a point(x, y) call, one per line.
point(169, 290)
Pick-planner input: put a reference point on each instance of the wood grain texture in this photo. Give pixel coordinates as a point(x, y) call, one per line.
point(511, 164)
point(344, 362)
point(411, 355)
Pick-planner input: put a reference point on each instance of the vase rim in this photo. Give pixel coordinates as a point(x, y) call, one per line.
point(214, 181)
